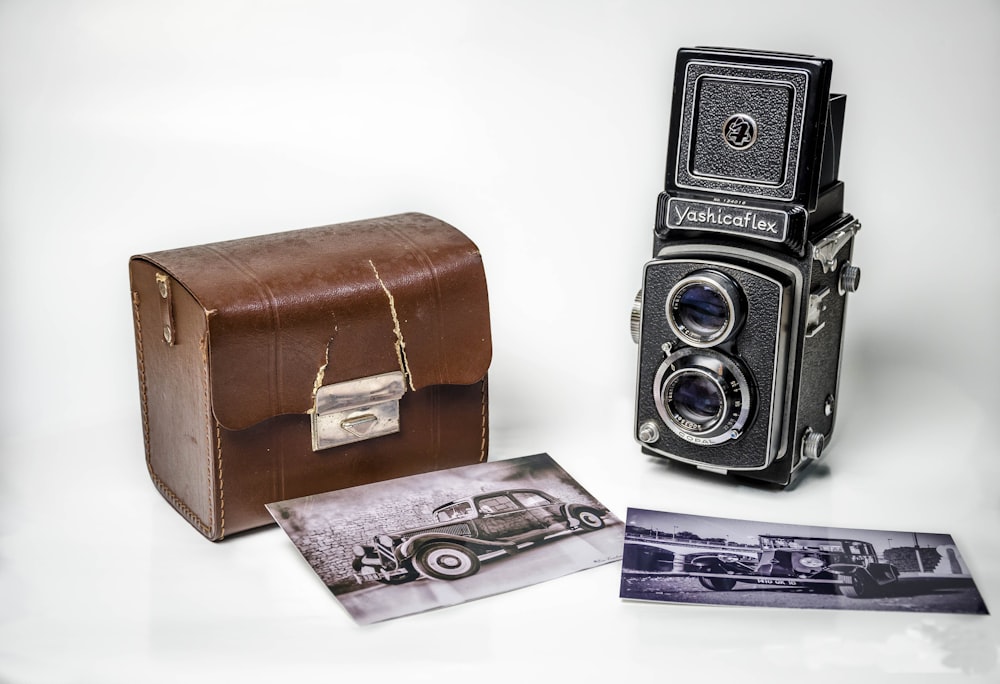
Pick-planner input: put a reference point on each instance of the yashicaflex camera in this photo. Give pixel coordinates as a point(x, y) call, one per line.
point(740, 319)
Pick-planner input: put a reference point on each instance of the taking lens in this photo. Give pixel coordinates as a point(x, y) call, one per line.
point(705, 308)
point(696, 399)
point(703, 396)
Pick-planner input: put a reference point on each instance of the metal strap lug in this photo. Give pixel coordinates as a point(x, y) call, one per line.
point(827, 249)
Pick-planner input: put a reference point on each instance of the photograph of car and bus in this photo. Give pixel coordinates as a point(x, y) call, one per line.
point(679, 558)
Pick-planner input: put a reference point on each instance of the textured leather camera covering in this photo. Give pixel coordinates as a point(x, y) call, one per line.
point(255, 326)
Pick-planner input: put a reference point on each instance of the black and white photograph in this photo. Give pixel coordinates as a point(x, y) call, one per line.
point(678, 558)
point(412, 544)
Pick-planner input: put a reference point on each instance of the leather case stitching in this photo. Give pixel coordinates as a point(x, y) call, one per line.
point(209, 418)
point(482, 413)
point(222, 489)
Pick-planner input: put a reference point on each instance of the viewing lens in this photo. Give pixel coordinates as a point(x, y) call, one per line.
point(705, 308)
point(702, 309)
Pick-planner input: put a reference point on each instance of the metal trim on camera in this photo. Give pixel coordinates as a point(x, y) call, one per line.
point(705, 308)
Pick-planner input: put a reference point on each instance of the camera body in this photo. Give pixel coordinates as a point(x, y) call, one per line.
point(740, 318)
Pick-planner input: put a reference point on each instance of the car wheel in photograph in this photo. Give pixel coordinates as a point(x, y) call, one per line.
point(808, 564)
point(861, 586)
point(446, 561)
point(589, 519)
point(717, 583)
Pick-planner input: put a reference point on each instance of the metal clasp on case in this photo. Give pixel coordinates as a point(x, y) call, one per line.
point(356, 410)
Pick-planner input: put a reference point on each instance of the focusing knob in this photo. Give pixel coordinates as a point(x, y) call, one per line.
point(850, 278)
point(636, 316)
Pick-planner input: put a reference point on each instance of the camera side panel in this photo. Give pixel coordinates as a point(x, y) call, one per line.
point(822, 348)
point(814, 369)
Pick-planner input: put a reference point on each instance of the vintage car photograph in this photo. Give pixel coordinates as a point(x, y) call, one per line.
point(847, 566)
point(413, 544)
point(681, 558)
point(472, 530)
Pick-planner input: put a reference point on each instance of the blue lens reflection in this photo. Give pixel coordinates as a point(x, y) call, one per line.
point(702, 309)
point(696, 398)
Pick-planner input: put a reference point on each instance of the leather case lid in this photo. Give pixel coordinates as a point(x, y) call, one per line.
point(290, 312)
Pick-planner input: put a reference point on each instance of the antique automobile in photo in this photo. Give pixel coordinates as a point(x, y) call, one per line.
point(470, 530)
point(844, 566)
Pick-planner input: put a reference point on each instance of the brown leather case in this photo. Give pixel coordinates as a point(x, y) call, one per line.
point(267, 364)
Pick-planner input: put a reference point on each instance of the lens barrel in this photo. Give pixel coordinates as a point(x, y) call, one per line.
point(703, 396)
point(705, 308)
point(696, 397)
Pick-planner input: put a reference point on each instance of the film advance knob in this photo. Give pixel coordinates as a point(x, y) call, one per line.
point(812, 445)
point(850, 278)
point(636, 318)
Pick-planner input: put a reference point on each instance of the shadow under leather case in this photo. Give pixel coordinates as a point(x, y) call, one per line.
point(291, 364)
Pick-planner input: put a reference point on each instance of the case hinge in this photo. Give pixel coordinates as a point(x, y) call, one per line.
point(166, 309)
point(356, 410)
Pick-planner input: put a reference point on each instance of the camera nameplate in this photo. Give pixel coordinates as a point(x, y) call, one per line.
point(738, 219)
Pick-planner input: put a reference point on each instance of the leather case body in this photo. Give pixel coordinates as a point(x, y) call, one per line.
point(296, 363)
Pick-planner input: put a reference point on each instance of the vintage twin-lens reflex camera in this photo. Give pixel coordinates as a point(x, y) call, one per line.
point(740, 319)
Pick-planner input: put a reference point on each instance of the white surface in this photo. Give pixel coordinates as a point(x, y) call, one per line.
point(540, 129)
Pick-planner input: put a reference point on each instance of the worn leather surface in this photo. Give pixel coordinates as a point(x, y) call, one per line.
point(259, 323)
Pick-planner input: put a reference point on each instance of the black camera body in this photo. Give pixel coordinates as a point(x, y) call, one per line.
point(740, 319)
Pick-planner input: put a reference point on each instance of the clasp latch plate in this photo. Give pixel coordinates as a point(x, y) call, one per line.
point(356, 410)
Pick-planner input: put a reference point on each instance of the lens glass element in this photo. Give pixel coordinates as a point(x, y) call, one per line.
point(702, 309)
point(705, 308)
point(703, 396)
point(696, 399)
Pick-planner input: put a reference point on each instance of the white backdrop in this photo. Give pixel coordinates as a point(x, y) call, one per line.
point(540, 130)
